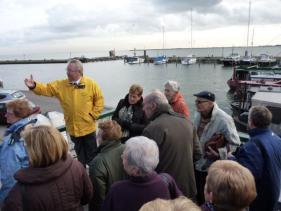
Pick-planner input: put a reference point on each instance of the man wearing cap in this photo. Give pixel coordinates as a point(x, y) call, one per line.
point(82, 102)
point(210, 121)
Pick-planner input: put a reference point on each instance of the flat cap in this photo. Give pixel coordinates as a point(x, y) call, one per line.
point(206, 95)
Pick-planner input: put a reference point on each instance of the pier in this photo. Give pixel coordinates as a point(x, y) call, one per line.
point(54, 61)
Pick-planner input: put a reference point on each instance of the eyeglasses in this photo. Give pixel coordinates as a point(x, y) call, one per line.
point(200, 101)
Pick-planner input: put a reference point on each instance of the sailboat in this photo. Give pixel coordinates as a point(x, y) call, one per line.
point(134, 59)
point(161, 59)
point(190, 59)
point(249, 59)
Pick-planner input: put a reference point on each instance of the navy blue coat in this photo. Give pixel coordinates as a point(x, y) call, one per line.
point(262, 156)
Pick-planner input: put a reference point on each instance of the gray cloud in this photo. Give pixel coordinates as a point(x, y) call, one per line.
point(65, 22)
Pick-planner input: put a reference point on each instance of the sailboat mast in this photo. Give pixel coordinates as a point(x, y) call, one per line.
point(191, 29)
point(163, 28)
point(252, 42)
point(249, 20)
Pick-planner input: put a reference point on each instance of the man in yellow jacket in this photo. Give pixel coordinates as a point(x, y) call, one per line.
point(82, 102)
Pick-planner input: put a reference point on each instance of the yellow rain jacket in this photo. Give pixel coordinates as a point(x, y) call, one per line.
point(81, 105)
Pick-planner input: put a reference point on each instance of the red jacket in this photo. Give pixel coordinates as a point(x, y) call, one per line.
point(178, 104)
point(62, 186)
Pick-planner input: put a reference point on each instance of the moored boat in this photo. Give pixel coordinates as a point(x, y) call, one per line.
point(266, 60)
point(231, 60)
point(253, 73)
point(191, 59)
point(134, 60)
point(160, 60)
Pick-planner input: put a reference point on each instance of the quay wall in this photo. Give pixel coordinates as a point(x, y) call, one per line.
point(147, 59)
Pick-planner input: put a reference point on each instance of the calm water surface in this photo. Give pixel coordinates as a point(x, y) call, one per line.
point(116, 77)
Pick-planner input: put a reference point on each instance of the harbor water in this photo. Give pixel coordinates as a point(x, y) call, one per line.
point(115, 78)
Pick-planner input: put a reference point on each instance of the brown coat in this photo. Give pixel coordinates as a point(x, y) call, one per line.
point(62, 186)
point(178, 147)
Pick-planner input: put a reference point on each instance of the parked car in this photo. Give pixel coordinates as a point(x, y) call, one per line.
point(7, 95)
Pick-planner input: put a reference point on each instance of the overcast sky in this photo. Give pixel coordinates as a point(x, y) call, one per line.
point(32, 26)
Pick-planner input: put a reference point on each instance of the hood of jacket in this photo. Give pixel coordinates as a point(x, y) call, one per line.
point(108, 146)
point(32, 175)
point(178, 97)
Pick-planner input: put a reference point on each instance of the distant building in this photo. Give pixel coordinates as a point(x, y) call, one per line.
point(112, 53)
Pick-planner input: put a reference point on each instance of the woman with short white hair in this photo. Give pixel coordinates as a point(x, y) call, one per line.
point(140, 158)
point(175, 98)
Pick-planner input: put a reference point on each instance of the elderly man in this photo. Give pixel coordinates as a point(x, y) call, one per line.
point(177, 141)
point(262, 156)
point(140, 158)
point(210, 122)
point(82, 103)
point(175, 98)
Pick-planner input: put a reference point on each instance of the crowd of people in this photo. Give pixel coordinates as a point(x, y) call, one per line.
point(149, 156)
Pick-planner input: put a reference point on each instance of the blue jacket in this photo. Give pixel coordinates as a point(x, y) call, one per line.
point(262, 156)
point(13, 156)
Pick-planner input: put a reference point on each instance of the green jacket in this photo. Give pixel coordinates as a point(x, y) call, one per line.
point(105, 169)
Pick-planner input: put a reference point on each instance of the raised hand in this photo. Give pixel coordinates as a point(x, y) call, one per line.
point(29, 82)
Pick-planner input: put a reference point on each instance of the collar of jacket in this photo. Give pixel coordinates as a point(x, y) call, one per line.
point(32, 175)
point(17, 125)
point(162, 109)
point(109, 145)
point(257, 131)
point(177, 97)
point(143, 179)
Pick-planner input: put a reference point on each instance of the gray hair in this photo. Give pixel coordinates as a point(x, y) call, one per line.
point(174, 85)
point(143, 153)
point(156, 97)
point(77, 63)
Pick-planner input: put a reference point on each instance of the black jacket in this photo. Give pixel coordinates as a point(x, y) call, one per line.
point(139, 120)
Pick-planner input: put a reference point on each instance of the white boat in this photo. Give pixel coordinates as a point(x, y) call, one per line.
point(191, 59)
point(266, 60)
point(134, 60)
point(160, 60)
point(248, 60)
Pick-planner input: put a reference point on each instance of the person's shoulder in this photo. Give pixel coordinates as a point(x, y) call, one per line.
point(222, 115)
point(119, 185)
point(88, 79)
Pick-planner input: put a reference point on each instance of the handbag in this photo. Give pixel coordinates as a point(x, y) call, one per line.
point(215, 142)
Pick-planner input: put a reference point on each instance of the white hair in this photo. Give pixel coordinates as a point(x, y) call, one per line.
point(174, 85)
point(143, 153)
point(78, 64)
